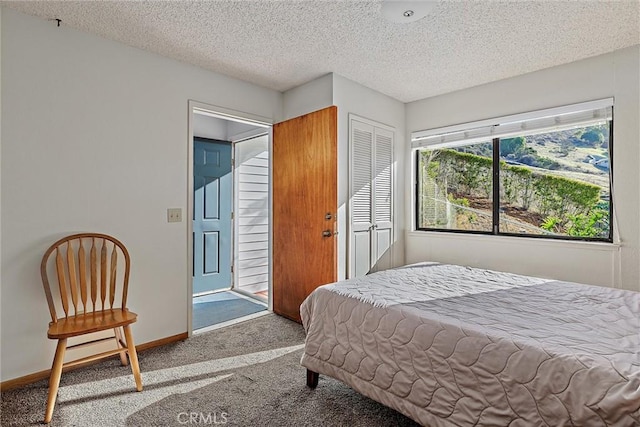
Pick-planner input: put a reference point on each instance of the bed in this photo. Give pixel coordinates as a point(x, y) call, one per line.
point(449, 345)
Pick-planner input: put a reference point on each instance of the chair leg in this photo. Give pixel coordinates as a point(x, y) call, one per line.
point(133, 356)
point(54, 378)
point(123, 355)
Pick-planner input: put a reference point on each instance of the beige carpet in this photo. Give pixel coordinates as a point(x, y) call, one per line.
point(243, 375)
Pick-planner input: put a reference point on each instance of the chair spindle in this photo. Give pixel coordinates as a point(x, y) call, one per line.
point(82, 262)
point(62, 282)
point(103, 273)
point(73, 281)
point(94, 273)
point(112, 276)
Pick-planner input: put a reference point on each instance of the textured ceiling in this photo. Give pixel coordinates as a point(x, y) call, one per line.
point(282, 44)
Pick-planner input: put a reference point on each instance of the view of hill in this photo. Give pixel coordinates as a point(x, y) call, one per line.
point(584, 151)
point(550, 183)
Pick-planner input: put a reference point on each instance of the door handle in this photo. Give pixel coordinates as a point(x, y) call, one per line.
point(327, 233)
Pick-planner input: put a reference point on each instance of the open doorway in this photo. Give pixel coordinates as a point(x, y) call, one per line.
point(229, 217)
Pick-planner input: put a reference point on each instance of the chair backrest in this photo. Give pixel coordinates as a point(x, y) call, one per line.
point(86, 270)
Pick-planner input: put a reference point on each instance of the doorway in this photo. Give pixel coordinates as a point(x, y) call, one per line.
point(229, 217)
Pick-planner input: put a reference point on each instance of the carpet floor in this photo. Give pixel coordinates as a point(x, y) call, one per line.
point(247, 374)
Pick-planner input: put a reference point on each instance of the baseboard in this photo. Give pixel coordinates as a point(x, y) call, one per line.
point(162, 341)
point(42, 375)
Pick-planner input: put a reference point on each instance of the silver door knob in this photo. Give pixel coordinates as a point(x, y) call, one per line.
point(326, 233)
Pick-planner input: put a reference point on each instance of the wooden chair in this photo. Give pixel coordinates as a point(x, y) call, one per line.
point(85, 267)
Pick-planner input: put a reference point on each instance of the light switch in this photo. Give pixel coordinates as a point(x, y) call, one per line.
point(174, 215)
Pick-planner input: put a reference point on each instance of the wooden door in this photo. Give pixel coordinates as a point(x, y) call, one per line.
point(304, 208)
point(212, 185)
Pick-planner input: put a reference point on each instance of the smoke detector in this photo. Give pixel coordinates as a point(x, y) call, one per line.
point(401, 11)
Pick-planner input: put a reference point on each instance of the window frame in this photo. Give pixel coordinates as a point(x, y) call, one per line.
point(496, 201)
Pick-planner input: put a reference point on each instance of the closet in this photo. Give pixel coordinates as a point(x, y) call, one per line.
point(370, 195)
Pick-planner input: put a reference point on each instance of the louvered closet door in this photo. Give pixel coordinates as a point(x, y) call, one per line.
point(371, 207)
point(361, 202)
point(383, 197)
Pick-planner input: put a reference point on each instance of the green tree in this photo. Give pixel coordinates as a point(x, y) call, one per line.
point(593, 224)
point(552, 224)
point(593, 136)
point(512, 145)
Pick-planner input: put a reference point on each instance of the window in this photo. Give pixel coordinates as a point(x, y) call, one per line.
point(542, 174)
point(456, 188)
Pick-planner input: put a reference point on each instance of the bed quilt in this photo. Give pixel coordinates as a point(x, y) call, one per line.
point(450, 345)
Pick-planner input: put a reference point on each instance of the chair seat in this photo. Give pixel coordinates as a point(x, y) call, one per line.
point(90, 322)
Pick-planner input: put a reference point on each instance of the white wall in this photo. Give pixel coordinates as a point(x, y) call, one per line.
point(616, 74)
point(95, 139)
point(353, 98)
point(311, 96)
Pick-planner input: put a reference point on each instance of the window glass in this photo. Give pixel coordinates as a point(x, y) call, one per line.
point(455, 188)
point(556, 183)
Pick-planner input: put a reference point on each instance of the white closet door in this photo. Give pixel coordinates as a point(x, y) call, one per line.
point(361, 198)
point(382, 209)
point(371, 197)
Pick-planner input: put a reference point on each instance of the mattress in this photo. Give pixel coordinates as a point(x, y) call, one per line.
point(450, 345)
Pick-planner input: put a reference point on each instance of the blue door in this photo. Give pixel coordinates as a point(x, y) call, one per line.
point(212, 201)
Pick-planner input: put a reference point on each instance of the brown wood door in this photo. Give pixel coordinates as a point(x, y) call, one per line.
point(304, 192)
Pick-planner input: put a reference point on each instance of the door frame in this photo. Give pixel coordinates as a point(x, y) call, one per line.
point(230, 115)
